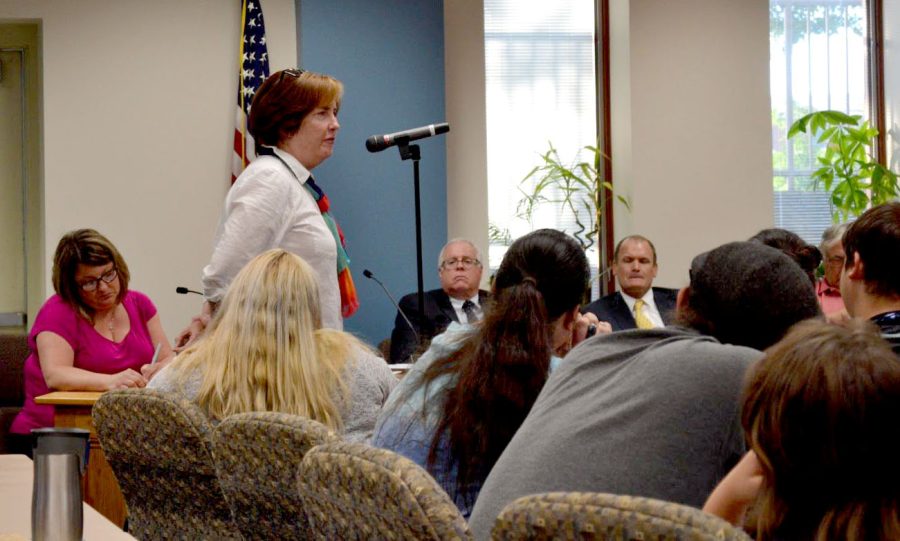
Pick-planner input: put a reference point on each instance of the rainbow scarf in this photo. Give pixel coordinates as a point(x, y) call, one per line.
point(349, 301)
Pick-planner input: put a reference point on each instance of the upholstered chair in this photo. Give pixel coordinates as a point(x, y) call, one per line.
point(353, 491)
point(608, 517)
point(159, 448)
point(257, 458)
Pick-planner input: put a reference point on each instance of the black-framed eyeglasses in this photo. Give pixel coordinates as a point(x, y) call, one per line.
point(107, 278)
point(466, 262)
point(291, 72)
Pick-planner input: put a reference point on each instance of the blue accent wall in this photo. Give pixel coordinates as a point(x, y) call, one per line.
point(390, 56)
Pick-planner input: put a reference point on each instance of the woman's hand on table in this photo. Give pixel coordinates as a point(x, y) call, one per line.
point(125, 379)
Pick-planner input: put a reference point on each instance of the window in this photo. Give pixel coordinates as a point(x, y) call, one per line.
point(541, 88)
point(818, 61)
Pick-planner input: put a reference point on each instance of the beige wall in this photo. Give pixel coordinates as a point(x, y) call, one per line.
point(138, 117)
point(138, 103)
point(467, 205)
point(691, 122)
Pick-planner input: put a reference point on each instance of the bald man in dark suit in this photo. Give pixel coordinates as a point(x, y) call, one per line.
point(638, 304)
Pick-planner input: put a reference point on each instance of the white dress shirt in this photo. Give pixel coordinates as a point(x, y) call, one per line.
point(268, 207)
point(650, 309)
point(461, 314)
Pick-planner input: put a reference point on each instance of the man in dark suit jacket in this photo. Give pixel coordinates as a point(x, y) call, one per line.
point(459, 299)
point(635, 268)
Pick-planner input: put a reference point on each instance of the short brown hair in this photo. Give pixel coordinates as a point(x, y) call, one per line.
point(636, 238)
point(284, 100)
point(85, 247)
point(875, 236)
point(820, 410)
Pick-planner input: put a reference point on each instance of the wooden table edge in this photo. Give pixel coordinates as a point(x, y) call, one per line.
point(69, 398)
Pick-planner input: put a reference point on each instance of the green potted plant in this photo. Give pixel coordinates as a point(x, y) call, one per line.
point(847, 169)
point(575, 189)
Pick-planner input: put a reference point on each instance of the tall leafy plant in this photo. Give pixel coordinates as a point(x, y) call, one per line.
point(846, 167)
point(575, 189)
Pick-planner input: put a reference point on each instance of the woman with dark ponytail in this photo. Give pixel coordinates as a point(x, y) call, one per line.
point(461, 403)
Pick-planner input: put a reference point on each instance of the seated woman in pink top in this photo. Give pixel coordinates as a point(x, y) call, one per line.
point(93, 335)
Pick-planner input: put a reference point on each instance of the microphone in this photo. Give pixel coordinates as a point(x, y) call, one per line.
point(377, 143)
point(368, 274)
point(181, 290)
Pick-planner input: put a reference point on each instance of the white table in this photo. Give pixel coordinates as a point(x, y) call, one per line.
point(16, 480)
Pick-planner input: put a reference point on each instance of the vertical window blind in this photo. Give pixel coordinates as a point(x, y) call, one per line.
point(817, 62)
point(540, 85)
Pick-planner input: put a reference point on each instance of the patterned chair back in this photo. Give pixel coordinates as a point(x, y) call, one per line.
point(608, 517)
point(353, 491)
point(257, 459)
point(158, 446)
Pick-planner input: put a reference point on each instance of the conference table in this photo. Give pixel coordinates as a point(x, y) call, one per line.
point(101, 490)
point(16, 481)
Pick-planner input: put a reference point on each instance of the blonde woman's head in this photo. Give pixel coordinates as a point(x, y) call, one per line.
point(274, 297)
point(266, 351)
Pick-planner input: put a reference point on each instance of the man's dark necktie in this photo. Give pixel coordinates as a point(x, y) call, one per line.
point(469, 309)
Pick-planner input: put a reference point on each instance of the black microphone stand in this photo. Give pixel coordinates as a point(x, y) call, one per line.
point(411, 152)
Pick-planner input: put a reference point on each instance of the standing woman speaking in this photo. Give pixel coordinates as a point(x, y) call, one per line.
point(275, 203)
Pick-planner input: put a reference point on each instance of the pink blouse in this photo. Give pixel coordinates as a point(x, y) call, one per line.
point(93, 351)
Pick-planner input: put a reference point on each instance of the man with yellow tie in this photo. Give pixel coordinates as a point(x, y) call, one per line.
point(638, 305)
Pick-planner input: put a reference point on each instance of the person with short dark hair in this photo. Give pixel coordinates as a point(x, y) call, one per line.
point(463, 400)
point(820, 414)
point(276, 203)
point(804, 254)
point(94, 334)
point(870, 281)
point(638, 305)
point(655, 412)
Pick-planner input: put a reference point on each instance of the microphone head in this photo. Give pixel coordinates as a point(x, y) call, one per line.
point(367, 273)
point(181, 290)
point(375, 144)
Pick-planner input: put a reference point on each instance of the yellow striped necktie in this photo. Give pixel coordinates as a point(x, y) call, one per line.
point(643, 322)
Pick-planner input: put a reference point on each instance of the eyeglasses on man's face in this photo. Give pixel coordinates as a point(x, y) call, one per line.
point(465, 262)
point(107, 278)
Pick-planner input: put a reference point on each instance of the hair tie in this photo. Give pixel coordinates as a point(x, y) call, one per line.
point(529, 280)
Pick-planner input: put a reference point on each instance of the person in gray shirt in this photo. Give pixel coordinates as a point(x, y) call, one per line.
point(655, 413)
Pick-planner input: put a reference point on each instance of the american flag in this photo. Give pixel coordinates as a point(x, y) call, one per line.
point(254, 62)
